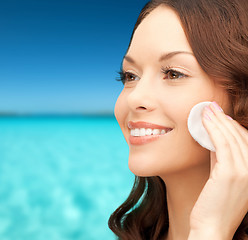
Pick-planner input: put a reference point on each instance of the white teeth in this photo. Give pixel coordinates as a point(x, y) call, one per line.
point(132, 132)
point(156, 131)
point(148, 131)
point(140, 132)
point(136, 132)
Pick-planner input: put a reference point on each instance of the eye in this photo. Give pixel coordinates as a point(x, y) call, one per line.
point(172, 74)
point(127, 77)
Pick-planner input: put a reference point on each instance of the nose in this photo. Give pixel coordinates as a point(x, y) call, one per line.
point(142, 98)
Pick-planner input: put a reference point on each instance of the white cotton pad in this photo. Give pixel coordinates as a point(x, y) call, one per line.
point(196, 128)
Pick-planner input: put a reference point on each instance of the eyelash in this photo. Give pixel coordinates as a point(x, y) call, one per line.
point(123, 75)
point(168, 69)
point(164, 70)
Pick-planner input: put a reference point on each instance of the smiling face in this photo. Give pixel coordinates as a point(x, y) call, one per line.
point(163, 81)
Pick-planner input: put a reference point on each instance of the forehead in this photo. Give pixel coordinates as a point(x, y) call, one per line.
point(160, 31)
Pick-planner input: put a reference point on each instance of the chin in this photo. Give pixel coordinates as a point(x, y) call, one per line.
point(145, 165)
point(140, 167)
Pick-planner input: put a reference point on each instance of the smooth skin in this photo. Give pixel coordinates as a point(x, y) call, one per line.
point(205, 191)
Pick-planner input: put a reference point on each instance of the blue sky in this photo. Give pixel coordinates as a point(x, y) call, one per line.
point(61, 56)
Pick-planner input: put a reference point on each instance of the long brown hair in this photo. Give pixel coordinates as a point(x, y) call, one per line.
point(217, 31)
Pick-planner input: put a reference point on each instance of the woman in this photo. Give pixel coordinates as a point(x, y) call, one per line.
point(183, 52)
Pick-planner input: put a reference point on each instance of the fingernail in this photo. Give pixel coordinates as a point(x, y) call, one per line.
point(229, 117)
point(208, 113)
point(206, 116)
point(217, 107)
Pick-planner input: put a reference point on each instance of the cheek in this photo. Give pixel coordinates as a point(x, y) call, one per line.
point(178, 104)
point(121, 110)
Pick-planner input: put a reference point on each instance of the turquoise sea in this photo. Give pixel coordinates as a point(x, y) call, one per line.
point(61, 177)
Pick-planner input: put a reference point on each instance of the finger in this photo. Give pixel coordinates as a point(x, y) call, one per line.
point(243, 141)
point(230, 130)
point(225, 143)
point(228, 138)
point(242, 130)
point(223, 149)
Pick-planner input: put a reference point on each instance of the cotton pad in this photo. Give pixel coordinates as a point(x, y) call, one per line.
point(196, 128)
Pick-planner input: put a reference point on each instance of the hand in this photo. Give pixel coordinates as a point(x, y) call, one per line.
point(223, 202)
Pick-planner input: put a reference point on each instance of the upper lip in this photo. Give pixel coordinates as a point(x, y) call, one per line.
point(142, 124)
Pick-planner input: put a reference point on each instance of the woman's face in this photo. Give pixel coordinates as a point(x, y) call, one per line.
point(163, 82)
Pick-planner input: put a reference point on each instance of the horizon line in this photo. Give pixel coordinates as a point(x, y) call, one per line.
point(33, 114)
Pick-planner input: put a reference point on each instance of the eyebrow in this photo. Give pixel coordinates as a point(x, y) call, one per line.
point(163, 57)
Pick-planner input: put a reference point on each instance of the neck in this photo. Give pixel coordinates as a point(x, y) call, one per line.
point(183, 190)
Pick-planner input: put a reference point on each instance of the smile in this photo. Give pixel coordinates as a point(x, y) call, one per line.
point(143, 132)
point(140, 132)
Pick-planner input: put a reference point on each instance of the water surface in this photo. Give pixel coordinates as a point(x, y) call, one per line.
point(61, 177)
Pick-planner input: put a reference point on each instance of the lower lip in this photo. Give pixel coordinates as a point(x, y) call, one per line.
point(145, 139)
